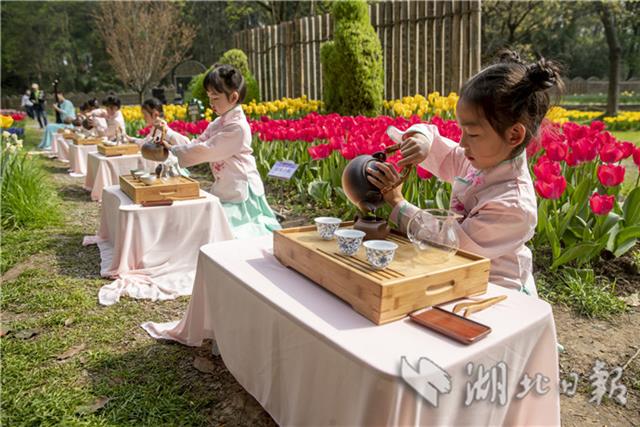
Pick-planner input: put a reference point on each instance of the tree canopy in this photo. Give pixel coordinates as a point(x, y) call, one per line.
point(42, 40)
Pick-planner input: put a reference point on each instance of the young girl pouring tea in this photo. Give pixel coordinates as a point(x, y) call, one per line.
point(151, 112)
point(111, 114)
point(226, 146)
point(500, 109)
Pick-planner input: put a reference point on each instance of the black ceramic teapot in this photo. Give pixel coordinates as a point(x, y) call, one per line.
point(155, 150)
point(355, 183)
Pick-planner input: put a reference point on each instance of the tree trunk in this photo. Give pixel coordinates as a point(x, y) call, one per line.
point(609, 22)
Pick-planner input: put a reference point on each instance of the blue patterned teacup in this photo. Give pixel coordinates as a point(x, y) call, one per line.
point(380, 253)
point(349, 241)
point(326, 226)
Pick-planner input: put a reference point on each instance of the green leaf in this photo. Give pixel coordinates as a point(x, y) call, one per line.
point(631, 208)
point(553, 240)
point(624, 247)
point(320, 191)
point(581, 192)
point(611, 220)
point(627, 233)
point(611, 237)
point(584, 250)
point(542, 216)
point(566, 219)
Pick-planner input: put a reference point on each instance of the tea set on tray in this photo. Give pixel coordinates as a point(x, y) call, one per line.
point(155, 151)
point(429, 229)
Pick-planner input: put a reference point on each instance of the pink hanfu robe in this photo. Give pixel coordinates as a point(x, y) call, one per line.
point(498, 208)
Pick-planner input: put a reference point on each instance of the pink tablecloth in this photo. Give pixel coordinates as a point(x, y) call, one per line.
point(152, 252)
point(309, 359)
point(103, 171)
point(78, 158)
point(60, 148)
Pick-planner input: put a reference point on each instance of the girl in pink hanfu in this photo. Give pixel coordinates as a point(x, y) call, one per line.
point(500, 109)
point(111, 116)
point(151, 111)
point(226, 146)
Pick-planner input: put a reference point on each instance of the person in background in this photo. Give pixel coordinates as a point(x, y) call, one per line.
point(38, 100)
point(26, 103)
point(67, 115)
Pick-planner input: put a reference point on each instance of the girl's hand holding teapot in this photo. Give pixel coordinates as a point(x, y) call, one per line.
point(414, 148)
point(384, 178)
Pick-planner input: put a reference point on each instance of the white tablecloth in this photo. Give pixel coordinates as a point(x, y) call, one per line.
point(103, 171)
point(309, 359)
point(152, 252)
point(78, 158)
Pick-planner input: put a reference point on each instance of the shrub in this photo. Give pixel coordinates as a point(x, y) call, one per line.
point(28, 200)
point(353, 81)
point(238, 59)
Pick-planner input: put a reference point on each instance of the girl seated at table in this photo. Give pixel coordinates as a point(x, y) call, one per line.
point(152, 111)
point(226, 145)
point(111, 113)
point(499, 111)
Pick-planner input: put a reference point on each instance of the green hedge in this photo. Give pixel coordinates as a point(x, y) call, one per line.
point(353, 76)
point(238, 59)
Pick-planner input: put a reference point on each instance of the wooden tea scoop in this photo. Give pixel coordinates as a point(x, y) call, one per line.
point(476, 306)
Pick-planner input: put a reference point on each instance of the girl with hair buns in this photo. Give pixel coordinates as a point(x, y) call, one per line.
point(499, 111)
point(226, 146)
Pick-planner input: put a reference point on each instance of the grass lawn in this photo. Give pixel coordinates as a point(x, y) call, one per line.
point(68, 361)
point(628, 135)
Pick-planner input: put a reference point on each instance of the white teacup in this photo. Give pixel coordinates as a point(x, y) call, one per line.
point(327, 226)
point(380, 253)
point(148, 179)
point(349, 241)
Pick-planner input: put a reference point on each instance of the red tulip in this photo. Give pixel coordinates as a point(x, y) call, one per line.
point(349, 151)
point(627, 149)
point(636, 156)
point(601, 204)
point(546, 168)
point(611, 152)
point(597, 126)
point(610, 175)
point(584, 150)
point(552, 188)
point(423, 173)
point(571, 159)
point(319, 152)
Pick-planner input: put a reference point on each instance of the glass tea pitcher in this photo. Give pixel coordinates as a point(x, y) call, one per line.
point(435, 230)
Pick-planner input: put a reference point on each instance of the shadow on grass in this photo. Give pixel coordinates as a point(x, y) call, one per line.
point(157, 384)
point(55, 167)
point(75, 260)
point(74, 193)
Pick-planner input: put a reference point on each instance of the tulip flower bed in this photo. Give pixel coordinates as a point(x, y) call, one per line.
point(578, 176)
point(576, 168)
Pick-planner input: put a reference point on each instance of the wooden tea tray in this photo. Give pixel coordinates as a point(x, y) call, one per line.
point(175, 188)
point(86, 141)
point(414, 280)
point(118, 150)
